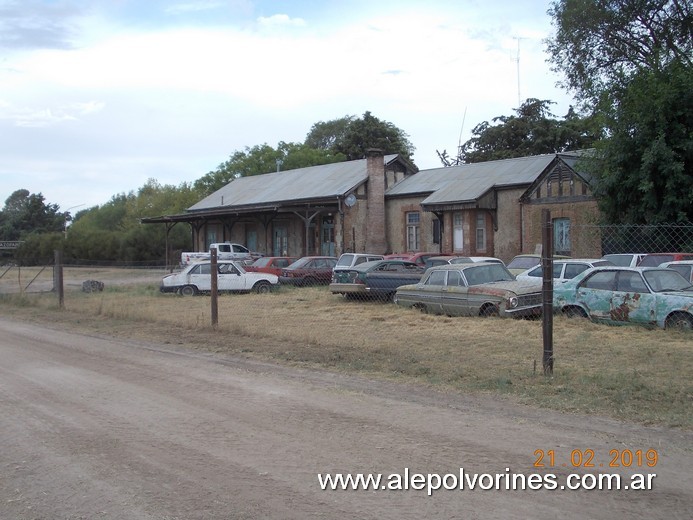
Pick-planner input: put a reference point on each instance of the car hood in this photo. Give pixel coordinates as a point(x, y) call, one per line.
point(501, 288)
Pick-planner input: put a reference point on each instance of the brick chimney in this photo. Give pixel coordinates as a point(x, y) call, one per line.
point(376, 239)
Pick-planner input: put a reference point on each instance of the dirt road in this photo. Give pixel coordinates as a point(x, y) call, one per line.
point(97, 428)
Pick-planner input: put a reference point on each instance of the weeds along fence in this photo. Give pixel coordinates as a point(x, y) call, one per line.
point(583, 241)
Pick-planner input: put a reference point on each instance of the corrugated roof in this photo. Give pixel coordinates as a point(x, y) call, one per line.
point(468, 182)
point(313, 182)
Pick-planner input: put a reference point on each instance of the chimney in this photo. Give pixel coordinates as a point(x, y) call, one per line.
point(376, 241)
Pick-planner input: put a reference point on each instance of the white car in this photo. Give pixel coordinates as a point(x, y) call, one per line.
point(231, 277)
point(625, 259)
point(563, 270)
point(685, 267)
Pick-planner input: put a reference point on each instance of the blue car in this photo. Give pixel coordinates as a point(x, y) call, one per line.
point(643, 295)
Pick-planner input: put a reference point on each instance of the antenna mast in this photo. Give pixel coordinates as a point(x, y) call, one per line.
point(517, 60)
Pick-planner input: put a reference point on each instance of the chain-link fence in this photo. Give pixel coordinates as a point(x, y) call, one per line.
point(457, 285)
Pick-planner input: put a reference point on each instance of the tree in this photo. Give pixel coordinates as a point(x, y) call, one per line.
point(646, 166)
point(370, 132)
point(26, 212)
point(325, 135)
point(600, 45)
point(533, 131)
point(630, 61)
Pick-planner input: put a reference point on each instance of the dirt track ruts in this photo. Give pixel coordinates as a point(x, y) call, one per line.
point(94, 427)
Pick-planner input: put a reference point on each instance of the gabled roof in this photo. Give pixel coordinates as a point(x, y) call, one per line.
point(312, 183)
point(469, 182)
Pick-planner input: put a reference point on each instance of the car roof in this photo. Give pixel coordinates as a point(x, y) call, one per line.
point(626, 268)
point(677, 262)
point(371, 263)
point(453, 267)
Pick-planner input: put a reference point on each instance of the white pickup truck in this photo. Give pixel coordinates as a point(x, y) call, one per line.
point(225, 251)
point(231, 277)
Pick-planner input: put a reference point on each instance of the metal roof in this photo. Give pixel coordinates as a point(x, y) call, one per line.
point(468, 182)
point(311, 183)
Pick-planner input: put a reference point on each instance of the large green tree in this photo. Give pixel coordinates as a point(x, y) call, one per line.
point(351, 137)
point(534, 130)
point(26, 212)
point(630, 63)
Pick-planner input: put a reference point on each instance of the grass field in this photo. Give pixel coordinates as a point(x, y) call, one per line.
point(624, 372)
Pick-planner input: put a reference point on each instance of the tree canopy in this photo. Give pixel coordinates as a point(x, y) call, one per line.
point(600, 45)
point(630, 63)
point(352, 136)
point(26, 213)
point(533, 131)
point(342, 139)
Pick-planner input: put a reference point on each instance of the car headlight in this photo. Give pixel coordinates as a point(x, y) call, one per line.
point(512, 302)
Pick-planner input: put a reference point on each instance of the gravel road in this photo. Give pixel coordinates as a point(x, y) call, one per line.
point(93, 427)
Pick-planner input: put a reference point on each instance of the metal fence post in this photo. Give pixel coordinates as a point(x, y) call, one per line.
point(547, 290)
point(214, 287)
point(58, 277)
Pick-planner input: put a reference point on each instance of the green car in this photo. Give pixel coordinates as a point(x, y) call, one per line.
point(643, 295)
point(474, 289)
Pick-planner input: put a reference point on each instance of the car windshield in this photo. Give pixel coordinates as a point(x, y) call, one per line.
point(487, 273)
point(523, 262)
point(345, 260)
point(261, 262)
point(666, 280)
point(301, 262)
point(620, 260)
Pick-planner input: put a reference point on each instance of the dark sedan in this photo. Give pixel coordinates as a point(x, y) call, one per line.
point(309, 270)
point(378, 278)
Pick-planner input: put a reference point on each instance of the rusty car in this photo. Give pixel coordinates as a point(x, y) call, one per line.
point(620, 295)
point(472, 289)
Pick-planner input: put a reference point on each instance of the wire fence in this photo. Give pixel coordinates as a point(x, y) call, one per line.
point(460, 288)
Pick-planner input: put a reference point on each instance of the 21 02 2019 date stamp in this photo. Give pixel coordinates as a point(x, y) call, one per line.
point(588, 458)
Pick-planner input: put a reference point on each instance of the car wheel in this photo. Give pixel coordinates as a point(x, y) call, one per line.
point(262, 287)
point(421, 307)
point(574, 312)
point(679, 321)
point(489, 310)
point(188, 290)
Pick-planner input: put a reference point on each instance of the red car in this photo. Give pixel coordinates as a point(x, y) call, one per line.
point(309, 270)
point(417, 258)
point(270, 264)
point(657, 259)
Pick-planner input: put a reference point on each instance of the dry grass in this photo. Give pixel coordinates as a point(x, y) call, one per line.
point(624, 372)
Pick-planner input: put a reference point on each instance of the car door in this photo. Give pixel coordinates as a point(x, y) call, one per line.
point(229, 278)
point(430, 292)
point(632, 301)
point(595, 292)
point(199, 276)
point(454, 299)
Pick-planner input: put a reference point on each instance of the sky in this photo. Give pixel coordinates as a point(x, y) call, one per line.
point(99, 96)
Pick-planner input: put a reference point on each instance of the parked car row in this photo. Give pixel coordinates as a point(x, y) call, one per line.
point(598, 289)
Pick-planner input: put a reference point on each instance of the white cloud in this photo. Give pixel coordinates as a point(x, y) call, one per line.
point(174, 102)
